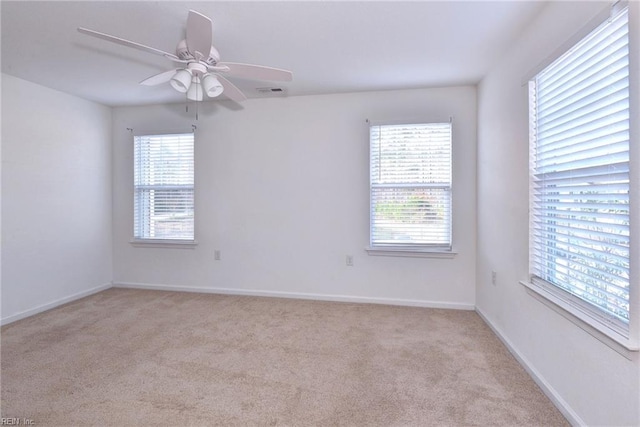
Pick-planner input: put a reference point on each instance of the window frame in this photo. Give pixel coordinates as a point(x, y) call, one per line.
point(179, 243)
point(413, 250)
point(586, 315)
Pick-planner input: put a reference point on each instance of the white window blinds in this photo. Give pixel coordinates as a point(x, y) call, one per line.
point(410, 183)
point(163, 187)
point(579, 231)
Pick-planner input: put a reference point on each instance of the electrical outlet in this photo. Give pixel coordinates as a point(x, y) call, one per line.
point(216, 255)
point(349, 260)
point(494, 276)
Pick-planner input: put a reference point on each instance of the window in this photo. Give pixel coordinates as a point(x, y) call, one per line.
point(579, 179)
point(410, 187)
point(163, 187)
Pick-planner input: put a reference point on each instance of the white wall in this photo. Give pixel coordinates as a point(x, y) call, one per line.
point(56, 197)
point(282, 192)
point(596, 385)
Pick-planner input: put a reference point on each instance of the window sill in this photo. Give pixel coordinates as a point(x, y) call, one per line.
point(625, 347)
point(163, 243)
point(409, 252)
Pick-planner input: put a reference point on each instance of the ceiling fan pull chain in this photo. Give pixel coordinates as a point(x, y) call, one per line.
point(187, 109)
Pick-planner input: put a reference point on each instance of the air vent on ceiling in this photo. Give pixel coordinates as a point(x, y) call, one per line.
point(270, 90)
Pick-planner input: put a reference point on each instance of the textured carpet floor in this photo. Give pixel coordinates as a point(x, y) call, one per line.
point(131, 357)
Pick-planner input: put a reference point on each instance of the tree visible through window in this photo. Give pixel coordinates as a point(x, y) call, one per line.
point(163, 187)
point(410, 184)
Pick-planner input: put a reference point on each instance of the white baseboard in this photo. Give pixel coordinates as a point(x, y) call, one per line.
point(298, 295)
point(547, 389)
point(53, 304)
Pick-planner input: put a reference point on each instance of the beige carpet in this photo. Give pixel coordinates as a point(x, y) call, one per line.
point(130, 357)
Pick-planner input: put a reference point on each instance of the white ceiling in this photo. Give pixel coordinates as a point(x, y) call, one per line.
point(330, 46)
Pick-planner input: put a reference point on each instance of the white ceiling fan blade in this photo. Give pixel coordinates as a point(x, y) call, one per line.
point(256, 72)
point(230, 90)
point(128, 43)
point(199, 34)
point(158, 78)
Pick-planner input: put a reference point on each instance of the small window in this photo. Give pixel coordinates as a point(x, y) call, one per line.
point(163, 187)
point(579, 179)
point(410, 187)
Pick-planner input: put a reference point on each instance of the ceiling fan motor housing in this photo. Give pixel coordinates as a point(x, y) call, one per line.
point(196, 68)
point(182, 52)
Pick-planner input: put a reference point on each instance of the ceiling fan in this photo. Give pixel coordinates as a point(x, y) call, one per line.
point(200, 69)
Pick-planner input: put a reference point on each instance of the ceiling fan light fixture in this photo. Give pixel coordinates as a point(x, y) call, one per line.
point(195, 92)
point(211, 85)
point(181, 81)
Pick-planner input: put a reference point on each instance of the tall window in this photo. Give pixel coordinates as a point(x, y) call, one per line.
point(410, 184)
point(163, 187)
point(579, 204)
